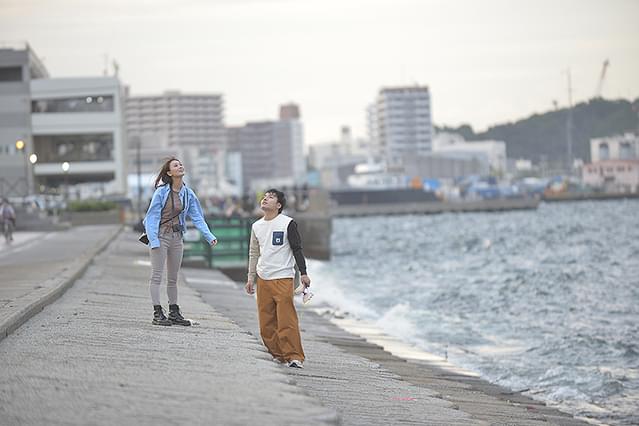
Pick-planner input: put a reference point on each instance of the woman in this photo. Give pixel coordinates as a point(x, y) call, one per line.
point(165, 223)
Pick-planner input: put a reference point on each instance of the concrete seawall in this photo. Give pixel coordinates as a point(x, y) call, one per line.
point(435, 207)
point(316, 227)
point(316, 230)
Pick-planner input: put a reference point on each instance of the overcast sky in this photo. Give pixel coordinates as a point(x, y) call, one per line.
point(485, 61)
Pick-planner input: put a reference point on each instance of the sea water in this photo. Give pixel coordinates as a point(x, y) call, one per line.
point(542, 300)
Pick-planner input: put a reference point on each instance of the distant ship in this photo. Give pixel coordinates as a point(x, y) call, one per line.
point(370, 184)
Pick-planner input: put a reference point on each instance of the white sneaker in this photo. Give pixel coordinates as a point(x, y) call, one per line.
point(295, 364)
point(308, 295)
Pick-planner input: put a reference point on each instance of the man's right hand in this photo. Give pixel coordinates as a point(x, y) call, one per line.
point(249, 287)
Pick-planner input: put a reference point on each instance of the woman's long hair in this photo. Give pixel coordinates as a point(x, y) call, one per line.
point(163, 175)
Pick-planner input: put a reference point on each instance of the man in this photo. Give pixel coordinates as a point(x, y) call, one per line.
point(275, 249)
point(7, 219)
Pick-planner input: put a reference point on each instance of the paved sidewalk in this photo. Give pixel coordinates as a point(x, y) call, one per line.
point(38, 268)
point(359, 389)
point(19, 239)
point(93, 357)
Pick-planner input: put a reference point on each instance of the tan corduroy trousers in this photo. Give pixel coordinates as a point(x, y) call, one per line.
point(279, 326)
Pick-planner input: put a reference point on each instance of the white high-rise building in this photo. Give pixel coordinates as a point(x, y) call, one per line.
point(399, 122)
point(178, 119)
point(189, 126)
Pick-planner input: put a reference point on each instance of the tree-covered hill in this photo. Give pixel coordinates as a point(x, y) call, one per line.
point(544, 135)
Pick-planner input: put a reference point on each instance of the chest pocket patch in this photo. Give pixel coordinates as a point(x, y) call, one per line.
point(278, 238)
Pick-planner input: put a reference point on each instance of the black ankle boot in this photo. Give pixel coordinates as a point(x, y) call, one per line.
point(158, 316)
point(176, 317)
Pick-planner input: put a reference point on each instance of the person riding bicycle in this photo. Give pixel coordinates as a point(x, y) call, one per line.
point(8, 217)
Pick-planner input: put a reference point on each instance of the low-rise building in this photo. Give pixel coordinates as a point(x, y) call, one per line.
point(615, 163)
point(490, 152)
point(613, 175)
point(438, 165)
point(79, 123)
point(57, 132)
point(618, 147)
point(19, 65)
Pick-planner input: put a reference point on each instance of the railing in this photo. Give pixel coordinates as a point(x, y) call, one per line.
point(13, 188)
point(233, 236)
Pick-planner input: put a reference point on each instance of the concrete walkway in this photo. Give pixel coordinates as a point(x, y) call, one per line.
point(361, 391)
point(38, 267)
point(368, 385)
point(93, 357)
point(20, 238)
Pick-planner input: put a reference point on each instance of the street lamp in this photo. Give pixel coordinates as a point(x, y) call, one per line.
point(20, 146)
point(65, 168)
point(33, 158)
point(138, 148)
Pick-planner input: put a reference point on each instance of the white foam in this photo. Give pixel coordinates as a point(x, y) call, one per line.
point(396, 322)
point(328, 293)
point(372, 333)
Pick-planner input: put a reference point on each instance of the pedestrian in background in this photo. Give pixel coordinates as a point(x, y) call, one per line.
point(275, 249)
point(165, 224)
point(8, 217)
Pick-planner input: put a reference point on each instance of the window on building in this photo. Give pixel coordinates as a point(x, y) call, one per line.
point(604, 152)
point(94, 103)
point(10, 74)
point(625, 151)
point(87, 147)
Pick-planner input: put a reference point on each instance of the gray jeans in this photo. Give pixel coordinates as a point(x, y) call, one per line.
point(169, 253)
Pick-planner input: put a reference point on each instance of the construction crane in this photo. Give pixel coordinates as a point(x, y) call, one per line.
point(601, 78)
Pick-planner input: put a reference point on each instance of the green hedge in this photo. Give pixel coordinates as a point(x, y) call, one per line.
point(91, 206)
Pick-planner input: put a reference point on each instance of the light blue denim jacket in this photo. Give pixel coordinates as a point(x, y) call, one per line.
point(191, 209)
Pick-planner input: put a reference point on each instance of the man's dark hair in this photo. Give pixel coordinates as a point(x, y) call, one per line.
point(281, 198)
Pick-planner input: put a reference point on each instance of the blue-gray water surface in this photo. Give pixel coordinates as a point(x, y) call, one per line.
point(545, 300)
